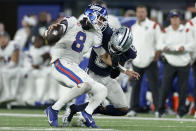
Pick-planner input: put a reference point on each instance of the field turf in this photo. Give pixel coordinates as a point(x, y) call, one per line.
point(24, 120)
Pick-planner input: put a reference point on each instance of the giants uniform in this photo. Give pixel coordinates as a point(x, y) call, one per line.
point(38, 80)
point(66, 56)
point(69, 51)
point(7, 53)
point(101, 72)
point(9, 74)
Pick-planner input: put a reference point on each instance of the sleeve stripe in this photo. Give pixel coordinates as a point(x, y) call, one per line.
point(65, 24)
point(97, 46)
point(191, 23)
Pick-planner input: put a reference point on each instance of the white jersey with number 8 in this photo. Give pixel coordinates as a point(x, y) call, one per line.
point(75, 42)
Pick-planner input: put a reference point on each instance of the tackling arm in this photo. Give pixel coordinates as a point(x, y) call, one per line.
point(130, 73)
point(105, 57)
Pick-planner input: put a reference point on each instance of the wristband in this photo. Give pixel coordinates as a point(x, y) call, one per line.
point(122, 69)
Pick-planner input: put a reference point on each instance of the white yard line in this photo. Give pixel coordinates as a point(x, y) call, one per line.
point(103, 117)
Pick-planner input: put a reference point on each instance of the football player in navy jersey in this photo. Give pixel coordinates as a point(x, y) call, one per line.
point(119, 46)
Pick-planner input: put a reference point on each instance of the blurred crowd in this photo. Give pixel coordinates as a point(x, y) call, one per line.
point(25, 77)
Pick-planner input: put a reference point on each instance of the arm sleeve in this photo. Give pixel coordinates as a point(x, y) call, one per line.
point(189, 45)
point(99, 51)
point(97, 39)
point(97, 43)
point(128, 55)
point(68, 23)
point(161, 43)
point(158, 33)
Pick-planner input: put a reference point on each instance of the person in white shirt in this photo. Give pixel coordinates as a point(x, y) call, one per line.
point(191, 25)
point(22, 34)
point(35, 69)
point(145, 39)
point(9, 61)
point(176, 45)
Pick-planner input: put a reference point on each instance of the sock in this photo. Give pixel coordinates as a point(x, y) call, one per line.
point(110, 110)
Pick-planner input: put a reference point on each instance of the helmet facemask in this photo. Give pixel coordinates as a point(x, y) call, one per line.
point(102, 22)
point(113, 50)
point(121, 41)
point(97, 16)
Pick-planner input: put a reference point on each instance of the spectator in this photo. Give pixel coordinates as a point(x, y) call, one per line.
point(176, 45)
point(145, 38)
point(9, 60)
point(9, 51)
point(35, 69)
point(191, 25)
point(43, 23)
point(2, 28)
point(23, 33)
point(129, 13)
point(113, 21)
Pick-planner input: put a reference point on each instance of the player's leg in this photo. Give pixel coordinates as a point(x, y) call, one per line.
point(135, 93)
point(6, 79)
point(153, 79)
point(183, 76)
point(116, 96)
point(194, 76)
point(65, 73)
point(168, 76)
point(98, 93)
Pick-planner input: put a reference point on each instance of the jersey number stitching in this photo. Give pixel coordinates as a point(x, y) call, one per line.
point(78, 44)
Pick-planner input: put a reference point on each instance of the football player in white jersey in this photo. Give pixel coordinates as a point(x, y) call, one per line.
point(9, 59)
point(34, 70)
point(77, 38)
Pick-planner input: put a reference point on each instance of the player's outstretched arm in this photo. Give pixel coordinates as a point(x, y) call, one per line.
point(131, 74)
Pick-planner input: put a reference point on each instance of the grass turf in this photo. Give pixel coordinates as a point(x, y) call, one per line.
point(125, 124)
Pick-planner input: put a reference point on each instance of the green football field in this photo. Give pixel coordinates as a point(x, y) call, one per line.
point(24, 120)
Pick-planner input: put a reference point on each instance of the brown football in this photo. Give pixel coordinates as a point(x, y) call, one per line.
point(55, 34)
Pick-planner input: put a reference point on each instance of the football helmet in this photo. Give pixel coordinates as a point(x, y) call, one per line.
point(121, 41)
point(97, 15)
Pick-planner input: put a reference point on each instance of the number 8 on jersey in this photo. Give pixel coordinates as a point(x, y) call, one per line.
point(78, 44)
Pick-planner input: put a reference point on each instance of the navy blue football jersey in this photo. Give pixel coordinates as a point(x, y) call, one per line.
point(97, 65)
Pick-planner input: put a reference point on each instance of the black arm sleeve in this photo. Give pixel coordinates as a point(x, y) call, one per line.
point(115, 72)
point(115, 60)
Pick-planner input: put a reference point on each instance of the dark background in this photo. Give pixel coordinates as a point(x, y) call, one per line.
point(9, 8)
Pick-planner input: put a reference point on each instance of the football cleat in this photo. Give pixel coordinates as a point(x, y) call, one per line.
point(52, 116)
point(89, 121)
point(68, 115)
point(81, 121)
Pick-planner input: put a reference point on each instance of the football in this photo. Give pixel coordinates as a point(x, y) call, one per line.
point(55, 34)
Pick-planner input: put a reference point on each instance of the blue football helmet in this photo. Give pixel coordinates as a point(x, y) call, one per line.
point(97, 15)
